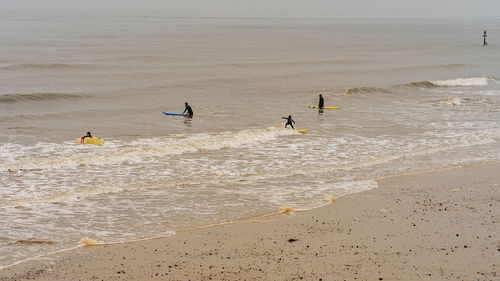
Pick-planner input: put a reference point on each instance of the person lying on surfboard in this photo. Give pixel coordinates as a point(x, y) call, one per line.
point(188, 109)
point(289, 121)
point(88, 135)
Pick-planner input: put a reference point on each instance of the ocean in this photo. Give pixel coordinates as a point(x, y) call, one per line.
point(415, 95)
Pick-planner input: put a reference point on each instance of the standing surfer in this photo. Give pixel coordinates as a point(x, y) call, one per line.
point(289, 121)
point(321, 103)
point(188, 109)
point(484, 38)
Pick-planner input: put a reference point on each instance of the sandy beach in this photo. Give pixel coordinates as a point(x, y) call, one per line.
point(440, 225)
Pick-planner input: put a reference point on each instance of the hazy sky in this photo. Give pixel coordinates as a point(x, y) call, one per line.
point(285, 8)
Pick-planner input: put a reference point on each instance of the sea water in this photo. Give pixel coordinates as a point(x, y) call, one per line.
point(415, 95)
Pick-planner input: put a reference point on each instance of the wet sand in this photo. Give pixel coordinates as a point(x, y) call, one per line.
point(441, 225)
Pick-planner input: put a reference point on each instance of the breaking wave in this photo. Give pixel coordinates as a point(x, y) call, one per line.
point(451, 100)
point(307, 170)
point(363, 90)
point(475, 81)
point(463, 82)
point(356, 90)
point(38, 97)
point(421, 84)
point(459, 82)
point(138, 151)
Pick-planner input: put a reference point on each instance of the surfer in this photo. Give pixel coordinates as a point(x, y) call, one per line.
point(321, 103)
point(188, 109)
point(289, 121)
point(88, 135)
point(484, 40)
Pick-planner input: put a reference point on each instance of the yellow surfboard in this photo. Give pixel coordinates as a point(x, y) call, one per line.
point(94, 140)
point(301, 131)
point(324, 107)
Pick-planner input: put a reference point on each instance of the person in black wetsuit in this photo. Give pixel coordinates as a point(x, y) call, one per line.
point(88, 135)
point(321, 102)
point(188, 109)
point(484, 40)
point(289, 121)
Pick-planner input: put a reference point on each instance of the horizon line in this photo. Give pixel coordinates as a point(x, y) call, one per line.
point(221, 16)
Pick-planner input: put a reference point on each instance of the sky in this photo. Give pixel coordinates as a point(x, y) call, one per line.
point(264, 8)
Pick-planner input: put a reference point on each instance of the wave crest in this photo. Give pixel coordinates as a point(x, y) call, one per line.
point(459, 82)
point(363, 90)
point(137, 151)
point(50, 66)
point(421, 84)
point(13, 98)
point(475, 81)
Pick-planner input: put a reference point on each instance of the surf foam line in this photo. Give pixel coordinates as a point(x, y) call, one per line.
point(73, 195)
point(473, 139)
point(487, 137)
point(457, 82)
point(474, 81)
point(284, 210)
point(289, 210)
point(114, 152)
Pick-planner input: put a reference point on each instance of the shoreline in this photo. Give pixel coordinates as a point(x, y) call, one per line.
point(343, 224)
point(88, 241)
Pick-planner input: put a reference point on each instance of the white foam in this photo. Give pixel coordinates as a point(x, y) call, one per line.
point(206, 171)
point(474, 81)
point(493, 92)
point(50, 155)
point(452, 100)
point(497, 135)
point(433, 142)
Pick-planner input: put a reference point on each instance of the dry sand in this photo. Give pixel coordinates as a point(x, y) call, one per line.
point(440, 225)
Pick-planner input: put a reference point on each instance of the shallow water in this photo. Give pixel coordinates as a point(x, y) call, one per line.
point(414, 95)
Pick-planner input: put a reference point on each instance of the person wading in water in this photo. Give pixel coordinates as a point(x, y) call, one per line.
point(188, 109)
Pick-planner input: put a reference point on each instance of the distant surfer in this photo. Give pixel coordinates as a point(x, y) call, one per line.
point(484, 38)
point(188, 109)
point(289, 121)
point(321, 103)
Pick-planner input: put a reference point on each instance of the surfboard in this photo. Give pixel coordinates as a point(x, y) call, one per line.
point(94, 140)
point(301, 131)
point(324, 107)
point(173, 114)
